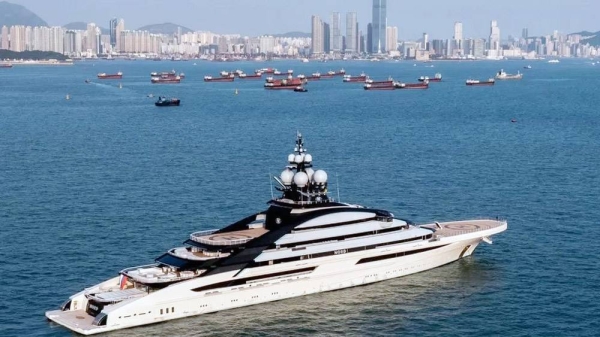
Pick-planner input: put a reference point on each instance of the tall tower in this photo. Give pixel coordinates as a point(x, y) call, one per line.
point(113, 32)
point(369, 42)
point(120, 28)
point(379, 26)
point(494, 36)
point(351, 33)
point(317, 35)
point(4, 44)
point(425, 41)
point(458, 35)
point(336, 32)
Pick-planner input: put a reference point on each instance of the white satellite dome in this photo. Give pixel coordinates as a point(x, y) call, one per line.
point(310, 172)
point(307, 158)
point(301, 179)
point(286, 176)
point(291, 157)
point(298, 159)
point(320, 177)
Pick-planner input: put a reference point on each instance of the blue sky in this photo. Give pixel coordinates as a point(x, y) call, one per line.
point(255, 17)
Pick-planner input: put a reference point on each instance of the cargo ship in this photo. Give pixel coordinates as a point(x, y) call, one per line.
point(6, 65)
point(490, 81)
point(380, 86)
point(250, 77)
point(314, 76)
point(285, 84)
point(157, 79)
point(436, 78)
point(389, 81)
point(229, 78)
point(105, 76)
point(353, 79)
point(421, 85)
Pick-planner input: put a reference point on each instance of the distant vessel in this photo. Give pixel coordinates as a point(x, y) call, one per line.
point(379, 86)
point(490, 81)
point(300, 89)
point(250, 77)
point(554, 61)
point(527, 67)
point(436, 78)
point(351, 79)
point(305, 60)
point(6, 65)
point(67, 97)
point(175, 79)
point(314, 76)
point(105, 76)
point(229, 78)
point(502, 75)
point(420, 85)
point(163, 101)
point(389, 81)
point(284, 84)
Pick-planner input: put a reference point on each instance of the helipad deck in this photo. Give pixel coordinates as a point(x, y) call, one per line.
point(228, 238)
point(464, 227)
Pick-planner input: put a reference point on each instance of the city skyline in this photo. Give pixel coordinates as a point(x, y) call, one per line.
point(411, 19)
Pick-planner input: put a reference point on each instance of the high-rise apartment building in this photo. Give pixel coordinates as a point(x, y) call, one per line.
point(326, 38)
point(458, 36)
point(379, 26)
point(335, 32)
point(4, 43)
point(351, 33)
point(391, 38)
point(317, 46)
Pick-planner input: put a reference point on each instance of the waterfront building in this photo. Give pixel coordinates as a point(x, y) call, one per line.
point(379, 26)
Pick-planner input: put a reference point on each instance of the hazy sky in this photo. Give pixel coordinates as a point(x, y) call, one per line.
point(256, 17)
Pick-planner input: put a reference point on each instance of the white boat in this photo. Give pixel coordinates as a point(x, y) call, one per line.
point(554, 61)
point(303, 243)
point(502, 75)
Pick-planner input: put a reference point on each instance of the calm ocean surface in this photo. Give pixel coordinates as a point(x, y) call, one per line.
point(106, 180)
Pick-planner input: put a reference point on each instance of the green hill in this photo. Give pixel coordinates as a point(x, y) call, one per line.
point(165, 28)
point(13, 14)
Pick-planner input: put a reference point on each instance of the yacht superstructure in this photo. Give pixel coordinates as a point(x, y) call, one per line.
point(303, 243)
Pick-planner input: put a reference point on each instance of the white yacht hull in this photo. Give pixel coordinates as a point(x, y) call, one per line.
point(331, 273)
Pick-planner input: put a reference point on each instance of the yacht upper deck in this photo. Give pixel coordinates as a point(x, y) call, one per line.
point(228, 238)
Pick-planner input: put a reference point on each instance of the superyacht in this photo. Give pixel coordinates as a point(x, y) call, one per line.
point(305, 242)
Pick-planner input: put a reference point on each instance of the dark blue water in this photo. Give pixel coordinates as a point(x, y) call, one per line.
point(106, 180)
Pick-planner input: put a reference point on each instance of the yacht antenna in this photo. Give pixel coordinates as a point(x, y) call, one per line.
point(271, 183)
point(337, 184)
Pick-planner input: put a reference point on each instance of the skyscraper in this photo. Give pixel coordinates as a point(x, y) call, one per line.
point(391, 38)
point(379, 26)
point(120, 28)
point(525, 34)
point(369, 42)
point(351, 33)
point(336, 32)
point(458, 35)
point(494, 36)
point(113, 31)
point(425, 41)
point(4, 44)
point(326, 38)
point(317, 46)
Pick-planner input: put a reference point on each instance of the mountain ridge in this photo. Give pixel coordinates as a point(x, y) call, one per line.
point(13, 14)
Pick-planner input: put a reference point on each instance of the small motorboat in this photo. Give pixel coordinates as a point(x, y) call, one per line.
point(527, 67)
point(163, 101)
point(300, 89)
point(87, 81)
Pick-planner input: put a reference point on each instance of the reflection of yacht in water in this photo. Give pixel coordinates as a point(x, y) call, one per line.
point(305, 242)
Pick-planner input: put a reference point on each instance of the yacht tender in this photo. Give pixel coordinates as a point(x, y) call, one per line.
point(303, 243)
